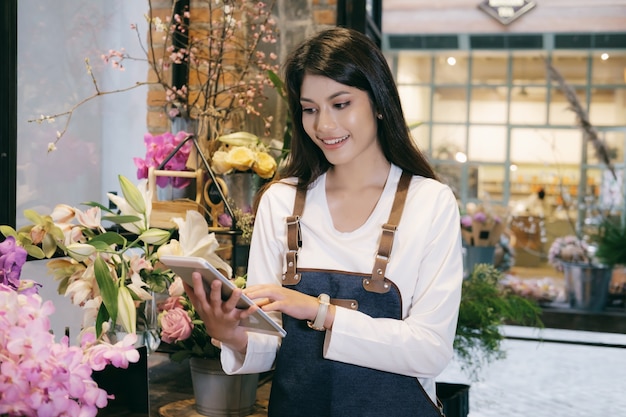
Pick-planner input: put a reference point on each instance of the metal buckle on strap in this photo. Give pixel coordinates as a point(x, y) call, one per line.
point(291, 220)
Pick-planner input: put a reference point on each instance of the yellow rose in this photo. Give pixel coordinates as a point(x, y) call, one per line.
point(219, 162)
point(265, 165)
point(241, 158)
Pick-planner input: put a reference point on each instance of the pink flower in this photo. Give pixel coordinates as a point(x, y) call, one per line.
point(176, 325)
point(12, 258)
point(158, 148)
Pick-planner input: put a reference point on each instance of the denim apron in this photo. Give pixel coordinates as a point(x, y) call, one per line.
point(306, 384)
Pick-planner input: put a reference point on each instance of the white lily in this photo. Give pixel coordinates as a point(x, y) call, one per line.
point(195, 241)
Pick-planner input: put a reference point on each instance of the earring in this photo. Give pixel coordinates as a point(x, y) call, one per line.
point(379, 116)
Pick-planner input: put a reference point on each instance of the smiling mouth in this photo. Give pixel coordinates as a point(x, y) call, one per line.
point(334, 141)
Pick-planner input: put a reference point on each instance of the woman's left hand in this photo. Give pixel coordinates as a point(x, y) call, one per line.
point(276, 298)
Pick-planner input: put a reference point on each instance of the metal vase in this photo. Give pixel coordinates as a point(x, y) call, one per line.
point(221, 395)
point(586, 285)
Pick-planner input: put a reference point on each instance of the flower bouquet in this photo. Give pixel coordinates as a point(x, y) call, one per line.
point(243, 152)
point(567, 249)
point(159, 147)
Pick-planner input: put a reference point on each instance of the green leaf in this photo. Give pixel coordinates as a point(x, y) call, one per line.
point(108, 289)
point(103, 316)
point(122, 219)
point(96, 204)
point(110, 238)
point(278, 83)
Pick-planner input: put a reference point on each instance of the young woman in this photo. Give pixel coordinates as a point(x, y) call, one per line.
point(358, 246)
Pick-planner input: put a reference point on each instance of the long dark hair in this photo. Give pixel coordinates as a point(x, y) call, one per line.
point(350, 58)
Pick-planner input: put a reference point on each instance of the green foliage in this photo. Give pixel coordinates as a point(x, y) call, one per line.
point(612, 243)
point(485, 307)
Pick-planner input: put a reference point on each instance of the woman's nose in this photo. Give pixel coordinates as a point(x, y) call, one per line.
point(325, 120)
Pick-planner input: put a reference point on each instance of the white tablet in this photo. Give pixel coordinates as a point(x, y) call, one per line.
point(184, 266)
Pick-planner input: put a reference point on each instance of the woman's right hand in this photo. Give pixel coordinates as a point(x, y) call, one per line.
point(221, 318)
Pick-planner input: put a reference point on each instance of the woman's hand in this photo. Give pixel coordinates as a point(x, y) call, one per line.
point(221, 318)
point(293, 303)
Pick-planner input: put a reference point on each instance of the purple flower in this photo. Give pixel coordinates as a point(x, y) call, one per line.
point(160, 147)
point(466, 221)
point(12, 258)
point(480, 217)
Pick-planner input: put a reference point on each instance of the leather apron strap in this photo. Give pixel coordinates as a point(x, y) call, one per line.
point(377, 283)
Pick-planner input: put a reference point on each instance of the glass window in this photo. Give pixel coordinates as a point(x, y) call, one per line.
point(421, 135)
point(614, 142)
point(413, 69)
point(529, 69)
point(609, 68)
point(528, 105)
point(415, 103)
point(451, 68)
point(450, 104)
point(561, 112)
point(448, 140)
point(551, 147)
point(572, 66)
point(608, 107)
point(489, 69)
point(487, 143)
point(488, 105)
point(490, 186)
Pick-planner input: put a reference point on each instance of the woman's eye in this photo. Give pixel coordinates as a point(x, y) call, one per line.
point(342, 105)
point(308, 110)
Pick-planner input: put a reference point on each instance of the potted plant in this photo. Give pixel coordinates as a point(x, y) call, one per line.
point(486, 305)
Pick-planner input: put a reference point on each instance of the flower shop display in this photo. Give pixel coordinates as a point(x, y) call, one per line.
point(106, 272)
point(40, 376)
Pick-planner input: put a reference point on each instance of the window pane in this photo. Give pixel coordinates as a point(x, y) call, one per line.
point(560, 108)
point(413, 69)
point(488, 105)
point(450, 104)
point(572, 66)
point(420, 136)
point(489, 69)
point(487, 144)
point(447, 141)
point(451, 68)
point(491, 182)
point(614, 141)
point(609, 71)
point(528, 105)
point(415, 103)
point(529, 69)
point(608, 107)
point(551, 147)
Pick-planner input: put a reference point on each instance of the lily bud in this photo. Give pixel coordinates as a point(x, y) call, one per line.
point(126, 311)
point(132, 195)
point(80, 251)
point(155, 236)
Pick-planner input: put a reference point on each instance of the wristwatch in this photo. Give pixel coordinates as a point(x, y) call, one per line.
point(322, 310)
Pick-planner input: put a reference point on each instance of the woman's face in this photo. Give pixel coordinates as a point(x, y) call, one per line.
point(339, 119)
